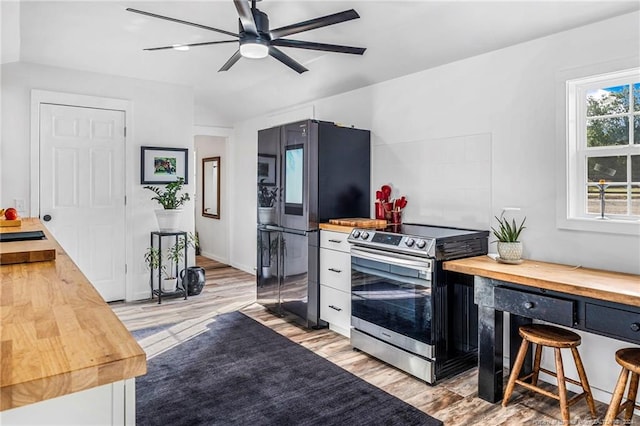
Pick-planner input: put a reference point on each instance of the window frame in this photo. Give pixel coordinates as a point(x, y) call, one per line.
point(574, 215)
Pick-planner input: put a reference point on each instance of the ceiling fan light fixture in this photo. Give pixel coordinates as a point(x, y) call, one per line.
point(180, 47)
point(254, 49)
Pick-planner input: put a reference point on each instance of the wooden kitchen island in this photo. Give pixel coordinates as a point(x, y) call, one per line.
point(65, 357)
point(596, 301)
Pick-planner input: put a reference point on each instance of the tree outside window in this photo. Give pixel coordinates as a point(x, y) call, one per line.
point(609, 144)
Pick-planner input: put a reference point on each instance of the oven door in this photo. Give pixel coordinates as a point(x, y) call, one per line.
point(391, 298)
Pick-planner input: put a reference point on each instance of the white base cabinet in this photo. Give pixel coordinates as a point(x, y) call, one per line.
point(335, 281)
point(112, 404)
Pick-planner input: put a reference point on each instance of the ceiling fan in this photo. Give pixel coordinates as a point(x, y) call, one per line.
point(258, 41)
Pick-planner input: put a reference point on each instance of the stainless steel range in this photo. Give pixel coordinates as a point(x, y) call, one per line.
point(406, 310)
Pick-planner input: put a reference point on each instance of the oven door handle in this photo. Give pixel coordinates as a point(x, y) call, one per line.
point(395, 259)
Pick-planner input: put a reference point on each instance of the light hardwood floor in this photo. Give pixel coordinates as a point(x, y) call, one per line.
point(453, 401)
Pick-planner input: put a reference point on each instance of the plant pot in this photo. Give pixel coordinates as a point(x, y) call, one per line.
point(168, 219)
point(169, 285)
point(266, 215)
point(510, 251)
point(266, 272)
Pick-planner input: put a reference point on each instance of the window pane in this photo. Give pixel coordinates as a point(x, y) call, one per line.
point(635, 168)
point(636, 129)
point(636, 97)
point(607, 131)
point(615, 200)
point(611, 169)
point(635, 200)
point(607, 101)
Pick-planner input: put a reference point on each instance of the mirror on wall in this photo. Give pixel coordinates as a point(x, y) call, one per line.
point(211, 187)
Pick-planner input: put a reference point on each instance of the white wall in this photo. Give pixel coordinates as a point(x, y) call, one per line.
point(162, 116)
point(504, 104)
point(213, 233)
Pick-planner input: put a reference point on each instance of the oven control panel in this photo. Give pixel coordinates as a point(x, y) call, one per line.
point(391, 241)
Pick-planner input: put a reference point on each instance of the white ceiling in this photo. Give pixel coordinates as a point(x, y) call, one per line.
point(401, 37)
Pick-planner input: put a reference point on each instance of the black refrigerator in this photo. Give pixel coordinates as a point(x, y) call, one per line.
point(316, 171)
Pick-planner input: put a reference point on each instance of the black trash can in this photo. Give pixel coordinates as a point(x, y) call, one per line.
point(193, 279)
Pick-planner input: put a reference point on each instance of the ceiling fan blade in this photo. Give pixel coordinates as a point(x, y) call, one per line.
point(287, 60)
point(311, 24)
point(232, 60)
point(246, 16)
point(206, 43)
point(179, 21)
point(318, 46)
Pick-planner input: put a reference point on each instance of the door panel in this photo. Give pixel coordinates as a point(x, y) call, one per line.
point(82, 189)
point(295, 267)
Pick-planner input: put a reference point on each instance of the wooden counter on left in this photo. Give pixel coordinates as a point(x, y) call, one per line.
point(57, 335)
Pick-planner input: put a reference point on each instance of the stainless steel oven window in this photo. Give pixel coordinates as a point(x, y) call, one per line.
point(392, 291)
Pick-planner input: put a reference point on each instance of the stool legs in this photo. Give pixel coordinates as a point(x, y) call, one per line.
point(515, 371)
point(584, 382)
point(633, 393)
point(536, 365)
point(562, 387)
point(617, 405)
point(616, 399)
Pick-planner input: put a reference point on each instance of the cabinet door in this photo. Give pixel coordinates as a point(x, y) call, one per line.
point(335, 308)
point(335, 269)
point(334, 240)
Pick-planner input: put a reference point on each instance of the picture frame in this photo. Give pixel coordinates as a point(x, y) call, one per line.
point(267, 169)
point(159, 164)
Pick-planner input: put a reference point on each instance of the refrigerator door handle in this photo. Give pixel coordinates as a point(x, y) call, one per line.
point(281, 229)
point(295, 231)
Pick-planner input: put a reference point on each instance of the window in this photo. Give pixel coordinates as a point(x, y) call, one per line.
point(603, 156)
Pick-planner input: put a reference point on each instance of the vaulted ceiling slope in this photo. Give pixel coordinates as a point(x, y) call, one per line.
point(401, 37)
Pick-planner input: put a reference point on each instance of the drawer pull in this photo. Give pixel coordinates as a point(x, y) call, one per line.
point(335, 308)
point(528, 305)
point(635, 326)
point(335, 241)
point(335, 270)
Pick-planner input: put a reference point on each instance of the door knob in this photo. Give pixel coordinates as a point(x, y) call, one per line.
point(46, 217)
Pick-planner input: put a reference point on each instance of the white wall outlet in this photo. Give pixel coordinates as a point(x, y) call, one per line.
point(19, 205)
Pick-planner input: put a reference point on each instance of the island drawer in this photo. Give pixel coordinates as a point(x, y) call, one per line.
point(536, 306)
point(335, 269)
point(335, 307)
point(334, 241)
point(613, 322)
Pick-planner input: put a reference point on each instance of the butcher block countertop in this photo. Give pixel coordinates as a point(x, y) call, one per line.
point(347, 224)
point(57, 335)
point(594, 283)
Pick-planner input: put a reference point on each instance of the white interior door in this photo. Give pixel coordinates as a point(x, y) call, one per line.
point(82, 190)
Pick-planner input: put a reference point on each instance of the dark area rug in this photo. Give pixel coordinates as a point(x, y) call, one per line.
point(240, 372)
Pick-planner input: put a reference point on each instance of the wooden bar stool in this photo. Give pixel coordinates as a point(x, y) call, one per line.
point(629, 359)
point(557, 338)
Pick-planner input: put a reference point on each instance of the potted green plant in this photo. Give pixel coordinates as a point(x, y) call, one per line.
point(508, 234)
point(267, 197)
point(174, 255)
point(269, 253)
point(170, 200)
point(152, 259)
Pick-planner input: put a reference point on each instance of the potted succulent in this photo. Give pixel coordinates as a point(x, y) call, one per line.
point(267, 197)
point(168, 197)
point(508, 234)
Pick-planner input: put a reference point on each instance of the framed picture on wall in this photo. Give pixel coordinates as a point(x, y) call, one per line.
point(163, 165)
point(267, 169)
